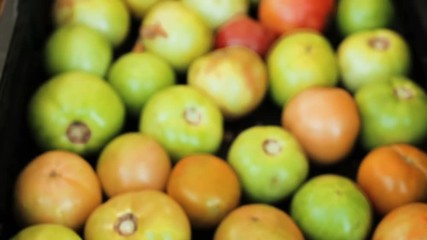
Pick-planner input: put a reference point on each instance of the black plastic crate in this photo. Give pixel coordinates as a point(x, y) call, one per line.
point(24, 28)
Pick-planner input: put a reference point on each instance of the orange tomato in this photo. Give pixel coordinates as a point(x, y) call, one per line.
point(284, 16)
point(258, 221)
point(405, 222)
point(325, 120)
point(146, 214)
point(57, 187)
point(206, 187)
point(131, 162)
point(393, 175)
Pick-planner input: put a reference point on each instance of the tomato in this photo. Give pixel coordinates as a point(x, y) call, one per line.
point(57, 187)
point(46, 231)
point(206, 187)
point(258, 221)
point(133, 161)
point(408, 221)
point(325, 120)
point(284, 16)
point(245, 31)
point(393, 175)
point(146, 214)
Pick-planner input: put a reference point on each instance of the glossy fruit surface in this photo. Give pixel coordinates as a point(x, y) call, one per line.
point(234, 77)
point(359, 15)
point(392, 112)
point(325, 121)
point(371, 56)
point(300, 60)
point(77, 48)
point(405, 222)
point(175, 32)
point(269, 161)
point(192, 124)
point(284, 16)
point(216, 13)
point(393, 175)
point(111, 18)
point(46, 231)
point(331, 206)
point(206, 187)
point(147, 214)
point(75, 111)
point(57, 187)
point(243, 30)
point(133, 161)
point(258, 221)
point(136, 76)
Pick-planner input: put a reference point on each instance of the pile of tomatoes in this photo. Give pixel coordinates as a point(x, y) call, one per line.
point(133, 188)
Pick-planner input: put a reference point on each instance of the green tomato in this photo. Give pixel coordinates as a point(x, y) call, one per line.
point(176, 33)
point(77, 47)
point(269, 162)
point(359, 15)
point(298, 61)
point(392, 112)
point(184, 120)
point(75, 111)
point(137, 76)
point(46, 231)
point(110, 18)
point(372, 56)
point(217, 13)
point(331, 207)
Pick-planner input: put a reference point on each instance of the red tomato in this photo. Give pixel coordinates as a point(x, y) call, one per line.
point(283, 16)
point(243, 30)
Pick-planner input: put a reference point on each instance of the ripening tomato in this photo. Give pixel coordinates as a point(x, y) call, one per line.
point(146, 214)
point(206, 187)
point(284, 16)
point(325, 120)
point(243, 30)
point(57, 187)
point(407, 222)
point(393, 175)
point(133, 161)
point(258, 221)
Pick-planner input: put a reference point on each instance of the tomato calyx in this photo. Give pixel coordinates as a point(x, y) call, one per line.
point(126, 224)
point(379, 43)
point(54, 174)
point(404, 93)
point(192, 116)
point(271, 147)
point(78, 132)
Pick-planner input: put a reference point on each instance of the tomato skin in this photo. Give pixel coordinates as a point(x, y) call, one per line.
point(153, 213)
point(406, 222)
point(245, 31)
point(258, 221)
point(284, 16)
point(46, 231)
point(57, 187)
point(393, 175)
point(206, 187)
point(133, 161)
point(326, 122)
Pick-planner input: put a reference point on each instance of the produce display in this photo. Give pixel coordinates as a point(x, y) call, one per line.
point(231, 119)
